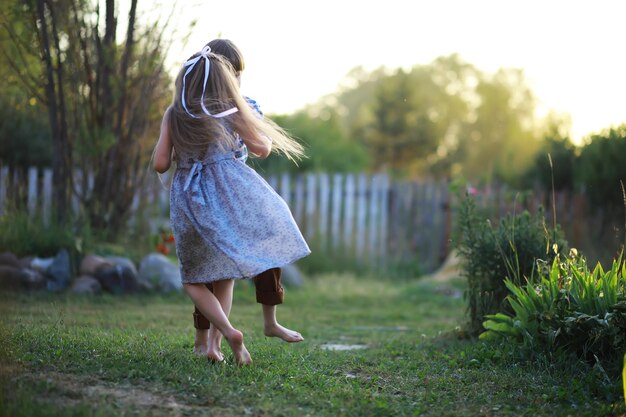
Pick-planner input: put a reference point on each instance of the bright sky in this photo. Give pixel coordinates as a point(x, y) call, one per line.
point(573, 52)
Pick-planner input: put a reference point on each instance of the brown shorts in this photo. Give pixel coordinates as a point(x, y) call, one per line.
point(268, 292)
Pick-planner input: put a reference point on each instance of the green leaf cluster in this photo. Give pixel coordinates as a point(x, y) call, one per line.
point(327, 147)
point(571, 308)
point(517, 247)
point(600, 168)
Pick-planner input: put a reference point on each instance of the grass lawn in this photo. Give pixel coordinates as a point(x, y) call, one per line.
point(131, 356)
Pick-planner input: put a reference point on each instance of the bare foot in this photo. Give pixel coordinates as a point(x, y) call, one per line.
point(215, 356)
point(276, 330)
point(235, 340)
point(200, 349)
point(214, 348)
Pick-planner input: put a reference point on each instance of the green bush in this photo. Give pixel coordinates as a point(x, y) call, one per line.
point(571, 308)
point(600, 169)
point(490, 254)
point(554, 166)
point(24, 235)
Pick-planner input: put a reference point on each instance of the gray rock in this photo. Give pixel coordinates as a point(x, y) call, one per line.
point(159, 271)
point(125, 262)
point(10, 277)
point(31, 279)
point(85, 284)
point(9, 259)
point(91, 263)
point(129, 265)
point(59, 274)
point(117, 279)
point(26, 261)
point(41, 264)
point(292, 276)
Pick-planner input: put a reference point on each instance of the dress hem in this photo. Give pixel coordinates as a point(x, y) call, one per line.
point(205, 280)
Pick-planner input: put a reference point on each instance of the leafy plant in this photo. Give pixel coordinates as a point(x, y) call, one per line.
point(572, 308)
point(516, 248)
point(24, 235)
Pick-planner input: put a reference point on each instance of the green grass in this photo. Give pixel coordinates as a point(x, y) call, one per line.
point(131, 356)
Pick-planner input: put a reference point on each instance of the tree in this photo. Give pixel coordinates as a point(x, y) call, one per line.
point(503, 139)
point(326, 145)
point(103, 99)
point(25, 136)
point(554, 164)
point(601, 171)
point(443, 119)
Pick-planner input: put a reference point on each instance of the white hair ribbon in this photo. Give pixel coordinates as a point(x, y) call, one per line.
point(207, 65)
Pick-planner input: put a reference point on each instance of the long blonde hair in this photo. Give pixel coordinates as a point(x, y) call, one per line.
point(221, 93)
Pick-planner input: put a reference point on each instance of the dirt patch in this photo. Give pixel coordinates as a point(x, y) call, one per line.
point(65, 390)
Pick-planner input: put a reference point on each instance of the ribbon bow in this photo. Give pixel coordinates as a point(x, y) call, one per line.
point(207, 66)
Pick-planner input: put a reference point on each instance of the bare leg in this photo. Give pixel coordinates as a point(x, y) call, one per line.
point(273, 329)
point(224, 293)
point(211, 308)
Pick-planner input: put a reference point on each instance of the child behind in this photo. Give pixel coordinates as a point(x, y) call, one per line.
point(227, 221)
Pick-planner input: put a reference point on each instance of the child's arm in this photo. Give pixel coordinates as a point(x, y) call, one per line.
point(162, 156)
point(259, 145)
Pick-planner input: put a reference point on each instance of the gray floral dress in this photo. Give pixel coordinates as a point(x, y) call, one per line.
point(228, 222)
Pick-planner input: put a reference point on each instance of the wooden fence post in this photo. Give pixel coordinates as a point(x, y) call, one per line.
point(4, 184)
point(373, 221)
point(31, 203)
point(285, 188)
point(47, 195)
point(311, 228)
point(336, 210)
point(299, 197)
point(361, 198)
point(384, 211)
point(324, 183)
point(348, 213)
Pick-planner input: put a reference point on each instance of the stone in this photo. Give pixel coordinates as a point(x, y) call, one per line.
point(125, 262)
point(132, 269)
point(26, 261)
point(41, 264)
point(117, 279)
point(162, 273)
point(10, 277)
point(32, 279)
point(87, 285)
point(59, 272)
point(9, 259)
point(292, 276)
point(91, 263)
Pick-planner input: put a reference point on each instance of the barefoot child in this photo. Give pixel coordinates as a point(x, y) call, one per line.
point(269, 291)
point(227, 221)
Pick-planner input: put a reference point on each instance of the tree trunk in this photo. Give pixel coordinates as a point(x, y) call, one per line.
point(59, 170)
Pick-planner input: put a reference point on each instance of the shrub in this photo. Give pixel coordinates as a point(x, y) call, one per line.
point(490, 254)
point(571, 308)
point(26, 236)
point(600, 169)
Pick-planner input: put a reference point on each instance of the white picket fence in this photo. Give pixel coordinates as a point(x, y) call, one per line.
point(365, 218)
